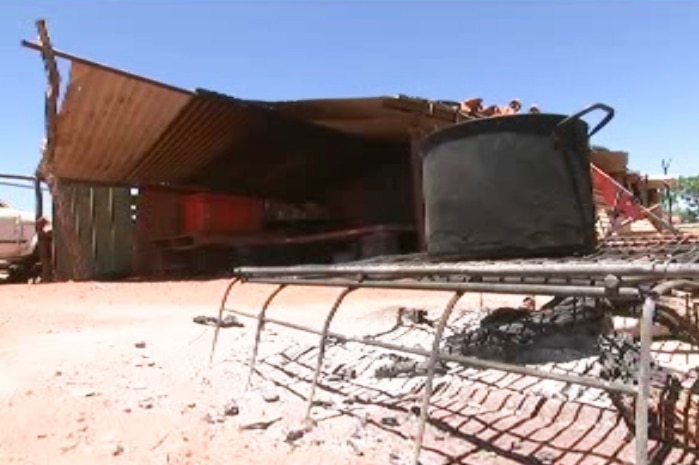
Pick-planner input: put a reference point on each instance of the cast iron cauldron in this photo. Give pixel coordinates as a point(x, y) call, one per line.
point(511, 186)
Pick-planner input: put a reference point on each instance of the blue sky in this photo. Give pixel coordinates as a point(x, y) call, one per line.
point(640, 57)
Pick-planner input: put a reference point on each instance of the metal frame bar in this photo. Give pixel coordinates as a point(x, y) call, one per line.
point(18, 177)
point(496, 288)
point(258, 332)
point(622, 268)
point(459, 289)
point(221, 309)
point(431, 369)
point(323, 344)
point(641, 413)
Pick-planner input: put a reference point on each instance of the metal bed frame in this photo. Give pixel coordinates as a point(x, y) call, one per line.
point(620, 270)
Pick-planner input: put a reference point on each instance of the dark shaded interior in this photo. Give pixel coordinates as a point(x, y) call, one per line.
point(253, 150)
point(288, 159)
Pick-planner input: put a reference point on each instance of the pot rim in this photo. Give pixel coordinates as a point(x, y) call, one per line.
point(542, 124)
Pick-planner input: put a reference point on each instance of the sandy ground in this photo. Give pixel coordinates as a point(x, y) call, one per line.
point(118, 373)
point(78, 386)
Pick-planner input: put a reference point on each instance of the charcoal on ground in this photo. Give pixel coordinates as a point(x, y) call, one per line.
point(567, 330)
point(402, 366)
point(673, 408)
point(229, 321)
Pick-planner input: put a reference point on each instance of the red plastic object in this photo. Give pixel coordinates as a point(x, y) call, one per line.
point(210, 213)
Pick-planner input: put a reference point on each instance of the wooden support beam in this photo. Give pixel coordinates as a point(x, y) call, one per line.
point(46, 167)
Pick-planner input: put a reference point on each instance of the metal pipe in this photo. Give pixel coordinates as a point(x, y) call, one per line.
point(323, 345)
point(19, 186)
point(667, 286)
point(620, 268)
point(220, 315)
point(470, 361)
point(598, 281)
point(644, 381)
point(18, 177)
point(646, 340)
point(258, 332)
point(429, 382)
point(541, 289)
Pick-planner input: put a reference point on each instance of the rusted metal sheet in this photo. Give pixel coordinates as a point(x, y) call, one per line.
point(108, 121)
point(101, 218)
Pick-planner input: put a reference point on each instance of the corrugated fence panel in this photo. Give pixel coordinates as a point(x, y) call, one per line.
point(101, 217)
point(61, 256)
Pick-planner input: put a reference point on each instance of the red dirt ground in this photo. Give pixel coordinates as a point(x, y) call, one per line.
point(76, 387)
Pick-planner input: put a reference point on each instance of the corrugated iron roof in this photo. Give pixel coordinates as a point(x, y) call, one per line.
point(115, 127)
point(202, 130)
point(260, 151)
point(108, 121)
point(371, 117)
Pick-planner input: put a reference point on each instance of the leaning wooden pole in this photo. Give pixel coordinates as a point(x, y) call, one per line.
point(46, 167)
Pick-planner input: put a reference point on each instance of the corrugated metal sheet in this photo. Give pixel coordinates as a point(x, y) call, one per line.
point(209, 126)
point(370, 117)
point(244, 148)
point(116, 128)
point(108, 121)
point(101, 218)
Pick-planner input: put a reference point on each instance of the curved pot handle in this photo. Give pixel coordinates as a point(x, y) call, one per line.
point(597, 106)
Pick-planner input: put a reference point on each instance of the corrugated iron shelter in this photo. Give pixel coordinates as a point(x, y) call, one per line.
point(118, 129)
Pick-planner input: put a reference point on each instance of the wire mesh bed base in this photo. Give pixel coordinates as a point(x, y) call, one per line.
point(627, 274)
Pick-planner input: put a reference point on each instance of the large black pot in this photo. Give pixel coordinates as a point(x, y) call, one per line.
point(511, 186)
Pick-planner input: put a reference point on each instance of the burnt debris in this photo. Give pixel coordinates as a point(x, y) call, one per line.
point(402, 366)
point(229, 321)
point(567, 330)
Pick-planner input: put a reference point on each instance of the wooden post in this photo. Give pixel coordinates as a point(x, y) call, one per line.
point(46, 167)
